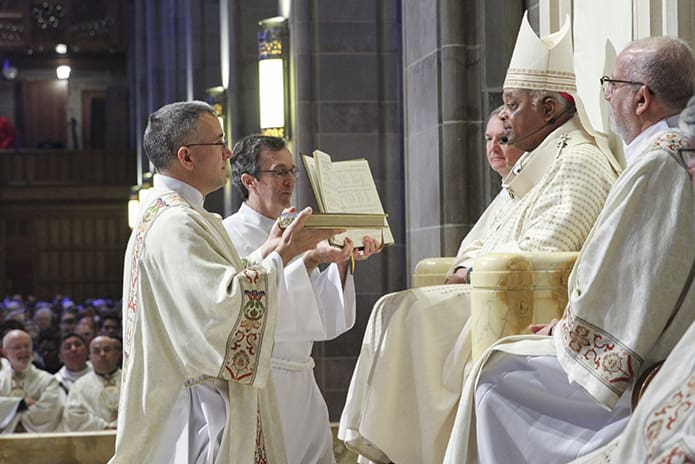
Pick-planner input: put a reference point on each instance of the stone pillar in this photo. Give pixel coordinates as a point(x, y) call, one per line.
point(455, 55)
point(346, 89)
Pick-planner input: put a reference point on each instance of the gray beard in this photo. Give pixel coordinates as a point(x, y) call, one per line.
point(622, 131)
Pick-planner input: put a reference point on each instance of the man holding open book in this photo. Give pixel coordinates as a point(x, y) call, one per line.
point(321, 305)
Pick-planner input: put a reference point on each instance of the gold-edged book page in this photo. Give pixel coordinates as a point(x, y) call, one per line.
point(345, 221)
point(348, 187)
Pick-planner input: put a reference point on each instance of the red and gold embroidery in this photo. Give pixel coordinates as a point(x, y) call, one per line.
point(152, 211)
point(260, 456)
point(602, 354)
point(667, 417)
point(679, 454)
point(670, 141)
point(244, 345)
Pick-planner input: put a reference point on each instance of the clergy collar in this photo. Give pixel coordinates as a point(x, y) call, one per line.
point(189, 193)
point(635, 147)
point(533, 165)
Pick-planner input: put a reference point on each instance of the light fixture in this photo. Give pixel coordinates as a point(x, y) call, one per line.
point(61, 49)
point(63, 71)
point(272, 76)
point(217, 98)
point(133, 206)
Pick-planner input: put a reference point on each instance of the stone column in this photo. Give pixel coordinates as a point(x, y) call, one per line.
point(346, 88)
point(455, 55)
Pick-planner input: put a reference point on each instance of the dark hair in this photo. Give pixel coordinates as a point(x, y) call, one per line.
point(246, 155)
point(8, 326)
point(109, 315)
point(72, 334)
point(171, 127)
point(49, 334)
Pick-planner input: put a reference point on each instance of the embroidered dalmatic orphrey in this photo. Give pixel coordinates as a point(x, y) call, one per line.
point(630, 275)
point(199, 325)
point(662, 427)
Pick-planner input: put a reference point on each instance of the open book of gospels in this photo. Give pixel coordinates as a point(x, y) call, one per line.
point(347, 198)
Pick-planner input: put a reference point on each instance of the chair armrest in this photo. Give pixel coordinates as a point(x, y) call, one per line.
point(431, 271)
point(510, 291)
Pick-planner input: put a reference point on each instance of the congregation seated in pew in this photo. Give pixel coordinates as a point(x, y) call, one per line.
point(23, 396)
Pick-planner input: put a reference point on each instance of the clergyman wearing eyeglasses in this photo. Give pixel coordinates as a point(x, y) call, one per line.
point(199, 320)
point(322, 304)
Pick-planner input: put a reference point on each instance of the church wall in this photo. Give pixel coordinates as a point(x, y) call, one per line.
point(455, 58)
point(347, 101)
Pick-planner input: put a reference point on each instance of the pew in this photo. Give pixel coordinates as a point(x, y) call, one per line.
point(58, 448)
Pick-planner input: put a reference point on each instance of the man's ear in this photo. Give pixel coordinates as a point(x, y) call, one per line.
point(643, 98)
point(183, 155)
point(247, 179)
point(550, 107)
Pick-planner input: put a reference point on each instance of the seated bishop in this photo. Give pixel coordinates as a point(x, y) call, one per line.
point(417, 344)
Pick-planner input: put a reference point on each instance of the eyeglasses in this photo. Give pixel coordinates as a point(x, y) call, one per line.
point(222, 143)
point(282, 172)
point(608, 85)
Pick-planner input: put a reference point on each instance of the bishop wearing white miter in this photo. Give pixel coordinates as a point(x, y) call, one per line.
point(555, 398)
point(417, 345)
